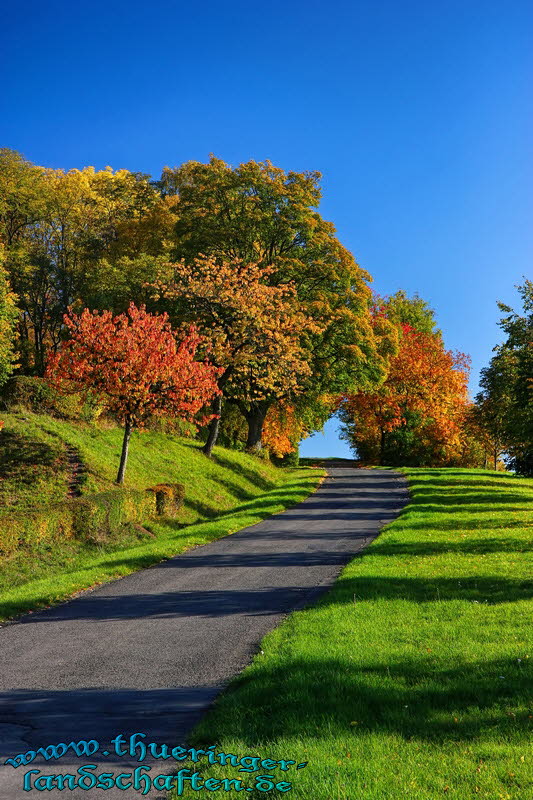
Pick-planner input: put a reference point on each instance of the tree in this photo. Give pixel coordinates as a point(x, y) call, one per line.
point(401, 309)
point(283, 429)
point(505, 403)
point(256, 334)
point(482, 432)
point(259, 214)
point(415, 417)
point(76, 238)
point(133, 361)
point(8, 321)
point(22, 196)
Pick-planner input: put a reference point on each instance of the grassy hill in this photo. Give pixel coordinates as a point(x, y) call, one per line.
point(412, 677)
point(39, 454)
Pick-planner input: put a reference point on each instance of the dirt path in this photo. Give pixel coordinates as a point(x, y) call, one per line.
point(77, 470)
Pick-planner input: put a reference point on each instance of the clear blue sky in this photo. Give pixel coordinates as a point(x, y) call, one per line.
point(417, 113)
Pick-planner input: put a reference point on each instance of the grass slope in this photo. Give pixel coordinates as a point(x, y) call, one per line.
point(223, 495)
point(33, 465)
point(412, 677)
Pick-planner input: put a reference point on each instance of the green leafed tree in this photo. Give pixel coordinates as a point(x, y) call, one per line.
point(77, 238)
point(256, 213)
point(505, 403)
point(404, 310)
point(8, 322)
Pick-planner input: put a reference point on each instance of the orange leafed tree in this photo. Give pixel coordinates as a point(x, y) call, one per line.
point(135, 362)
point(288, 422)
point(283, 430)
point(425, 392)
point(256, 332)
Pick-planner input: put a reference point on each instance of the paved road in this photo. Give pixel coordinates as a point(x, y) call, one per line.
point(149, 653)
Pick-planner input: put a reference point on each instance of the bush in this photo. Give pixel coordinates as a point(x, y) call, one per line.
point(93, 519)
point(29, 392)
point(168, 498)
point(35, 394)
point(288, 460)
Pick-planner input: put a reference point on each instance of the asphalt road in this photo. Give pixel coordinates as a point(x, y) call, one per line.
point(148, 653)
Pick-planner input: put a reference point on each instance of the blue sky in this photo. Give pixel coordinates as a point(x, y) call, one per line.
point(417, 114)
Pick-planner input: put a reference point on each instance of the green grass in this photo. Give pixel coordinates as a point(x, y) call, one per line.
point(412, 677)
point(33, 467)
point(222, 495)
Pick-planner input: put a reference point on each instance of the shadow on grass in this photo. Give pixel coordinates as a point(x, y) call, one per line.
point(480, 589)
point(261, 507)
point(416, 699)
point(250, 475)
point(18, 453)
point(203, 509)
point(211, 603)
point(444, 485)
point(451, 508)
point(453, 493)
point(430, 548)
point(463, 499)
point(444, 472)
point(476, 524)
point(234, 488)
point(266, 505)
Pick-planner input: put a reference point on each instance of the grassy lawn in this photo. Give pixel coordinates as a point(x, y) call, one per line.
point(412, 677)
point(223, 495)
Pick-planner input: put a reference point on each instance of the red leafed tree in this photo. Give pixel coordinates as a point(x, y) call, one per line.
point(135, 362)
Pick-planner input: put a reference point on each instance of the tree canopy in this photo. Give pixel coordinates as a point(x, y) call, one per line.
point(415, 417)
point(284, 313)
point(258, 214)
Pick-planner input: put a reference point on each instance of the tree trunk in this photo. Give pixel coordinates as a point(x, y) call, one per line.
point(381, 446)
point(495, 459)
point(214, 427)
point(124, 454)
point(39, 354)
point(255, 417)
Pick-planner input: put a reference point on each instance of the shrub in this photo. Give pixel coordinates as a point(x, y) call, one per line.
point(35, 394)
point(168, 498)
point(93, 518)
point(288, 460)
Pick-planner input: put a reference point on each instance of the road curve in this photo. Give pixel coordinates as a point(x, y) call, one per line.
point(149, 652)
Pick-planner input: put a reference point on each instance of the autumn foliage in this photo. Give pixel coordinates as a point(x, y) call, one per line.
point(417, 414)
point(283, 430)
point(134, 361)
point(256, 331)
point(273, 315)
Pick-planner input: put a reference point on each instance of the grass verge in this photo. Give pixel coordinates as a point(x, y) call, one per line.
point(412, 677)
